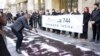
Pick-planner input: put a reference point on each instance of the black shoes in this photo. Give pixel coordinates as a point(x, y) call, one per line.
point(96, 41)
point(18, 51)
point(92, 40)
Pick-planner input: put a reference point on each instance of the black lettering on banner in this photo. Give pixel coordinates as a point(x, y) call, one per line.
point(67, 20)
point(67, 26)
point(59, 21)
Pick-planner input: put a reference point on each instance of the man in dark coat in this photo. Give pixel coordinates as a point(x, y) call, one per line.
point(35, 17)
point(95, 17)
point(54, 13)
point(17, 27)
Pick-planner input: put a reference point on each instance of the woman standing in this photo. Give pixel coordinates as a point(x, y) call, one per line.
point(3, 48)
point(86, 17)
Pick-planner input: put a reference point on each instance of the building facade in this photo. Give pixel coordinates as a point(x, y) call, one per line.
point(31, 5)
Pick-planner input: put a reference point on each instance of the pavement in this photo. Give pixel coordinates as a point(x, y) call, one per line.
point(11, 48)
point(69, 39)
point(59, 37)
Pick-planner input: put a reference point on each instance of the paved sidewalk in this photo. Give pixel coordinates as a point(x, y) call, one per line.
point(65, 39)
point(69, 39)
point(11, 48)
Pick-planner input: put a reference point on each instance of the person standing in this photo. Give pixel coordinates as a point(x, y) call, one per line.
point(35, 18)
point(9, 17)
point(17, 27)
point(32, 18)
point(40, 19)
point(47, 13)
point(54, 13)
point(19, 14)
point(3, 49)
point(57, 13)
point(68, 11)
point(62, 13)
point(86, 18)
point(75, 12)
point(95, 18)
point(41, 12)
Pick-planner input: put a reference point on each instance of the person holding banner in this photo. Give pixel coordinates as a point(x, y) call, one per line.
point(62, 13)
point(95, 19)
point(86, 18)
point(75, 12)
point(68, 11)
point(47, 13)
point(54, 13)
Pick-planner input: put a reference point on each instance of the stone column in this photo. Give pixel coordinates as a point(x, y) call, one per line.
point(88, 3)
point(80, 6)
point(48, 5)
point(36, 4)
point(21, 6)
point(30, 5)
point(13, 9)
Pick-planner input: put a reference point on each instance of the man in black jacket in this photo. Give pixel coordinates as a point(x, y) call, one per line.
point(95, 17)
point(35, 17)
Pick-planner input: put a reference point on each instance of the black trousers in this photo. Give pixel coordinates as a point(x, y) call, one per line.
point(3, 48)
point(85, 32)
point(96, 32)
point(31, 22)
point(94, 29)
point(54, 30)
point(19, 38)
point(35, 23)
point(75, 34)
point(84, 35)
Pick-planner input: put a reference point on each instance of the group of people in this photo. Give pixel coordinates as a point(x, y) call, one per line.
point(36, 20)
point(25, 20)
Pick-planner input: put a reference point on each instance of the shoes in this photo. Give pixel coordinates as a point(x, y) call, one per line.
point(92, 41)
point(18, 51)
point(97, 41)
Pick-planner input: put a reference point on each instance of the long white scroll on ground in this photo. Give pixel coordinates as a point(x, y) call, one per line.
point(72, 23)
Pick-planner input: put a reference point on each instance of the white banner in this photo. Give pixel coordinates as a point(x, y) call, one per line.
point(72, 23)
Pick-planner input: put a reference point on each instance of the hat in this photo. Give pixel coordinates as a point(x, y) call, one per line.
point(96, 4)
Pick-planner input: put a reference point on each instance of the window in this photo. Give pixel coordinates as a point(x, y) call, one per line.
point(72, 4)
point(42, 4)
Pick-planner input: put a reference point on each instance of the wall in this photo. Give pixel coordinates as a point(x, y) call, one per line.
point(19, 1)
point(56, 4)
point(85, 3)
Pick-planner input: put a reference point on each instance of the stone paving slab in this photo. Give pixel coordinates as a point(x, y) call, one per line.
point(64, 38)
point(11, 48)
